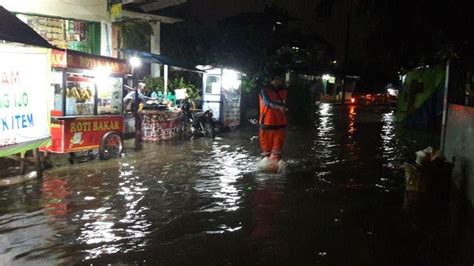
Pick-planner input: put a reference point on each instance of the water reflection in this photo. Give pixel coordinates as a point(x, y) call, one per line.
point(55, 192)
point(352, 114)
point(105, 230)
point(191, 202)
point(351, 143)
point(227, 168)
point(324, 146)
point(389, 142)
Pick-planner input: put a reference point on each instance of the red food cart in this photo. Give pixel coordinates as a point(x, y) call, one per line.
point(87, 106)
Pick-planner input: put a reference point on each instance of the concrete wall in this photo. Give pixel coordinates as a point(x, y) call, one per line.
point(459, 145)
point(91, 10)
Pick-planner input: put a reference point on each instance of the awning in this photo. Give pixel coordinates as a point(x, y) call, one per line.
point(147, 57)
point(13, 29)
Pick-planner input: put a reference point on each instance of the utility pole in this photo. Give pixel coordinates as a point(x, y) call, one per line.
point(445, 108)
point(346, 52)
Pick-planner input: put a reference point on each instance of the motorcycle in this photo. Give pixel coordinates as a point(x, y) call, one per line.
point(200, 123)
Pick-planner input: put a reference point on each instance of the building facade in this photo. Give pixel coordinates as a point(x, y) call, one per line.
point(83, 25)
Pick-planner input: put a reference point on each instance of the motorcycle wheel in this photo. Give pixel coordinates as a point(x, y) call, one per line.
point(210, 131)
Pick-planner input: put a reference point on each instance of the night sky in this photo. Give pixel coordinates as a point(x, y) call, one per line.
point(369, 38)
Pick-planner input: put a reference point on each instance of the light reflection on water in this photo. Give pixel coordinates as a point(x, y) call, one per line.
point(352, 115)
point(222, 174)
point(174, 197)
point(389, 140)
point(325, 143)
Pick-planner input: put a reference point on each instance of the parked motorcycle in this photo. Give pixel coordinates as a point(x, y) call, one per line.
point(200, 123)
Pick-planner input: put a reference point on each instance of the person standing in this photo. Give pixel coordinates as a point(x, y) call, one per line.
point(129, 99)
point(272, 118)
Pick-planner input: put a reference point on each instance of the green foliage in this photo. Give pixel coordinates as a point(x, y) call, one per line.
point(135, 34)
point(191, 90)
point(154, 84)
point(157, 84)
point(248, 84)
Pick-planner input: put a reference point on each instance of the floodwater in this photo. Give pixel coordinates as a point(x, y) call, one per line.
point(196, 202)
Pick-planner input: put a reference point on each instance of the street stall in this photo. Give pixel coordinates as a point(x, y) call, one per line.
point(221, 94)
point(159, 119)
point(160, 125)
point(87, 109)
point(24, 83)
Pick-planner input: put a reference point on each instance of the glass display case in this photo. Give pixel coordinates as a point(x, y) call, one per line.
point(109, 96)
point(80, 95)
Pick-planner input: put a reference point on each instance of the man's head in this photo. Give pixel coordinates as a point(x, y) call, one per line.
point(142, 86)
point(277, 78)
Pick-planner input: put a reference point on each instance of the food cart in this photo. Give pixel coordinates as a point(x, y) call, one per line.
point(158, 121)
point(87, 109)
point(221, 94)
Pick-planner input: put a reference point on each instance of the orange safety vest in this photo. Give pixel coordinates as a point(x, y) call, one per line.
point(272, 118)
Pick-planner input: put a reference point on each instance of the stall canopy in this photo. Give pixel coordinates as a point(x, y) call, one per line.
point(13, 29)
point(147, 57)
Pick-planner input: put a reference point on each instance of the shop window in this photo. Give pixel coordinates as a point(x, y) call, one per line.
point(213, 85)
point(76, 35)
point(109, 95)
point(80, 95)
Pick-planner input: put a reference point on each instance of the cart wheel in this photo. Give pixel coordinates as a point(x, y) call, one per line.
point(111, 146)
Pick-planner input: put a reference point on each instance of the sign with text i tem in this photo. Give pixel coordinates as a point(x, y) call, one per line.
point(24, 87)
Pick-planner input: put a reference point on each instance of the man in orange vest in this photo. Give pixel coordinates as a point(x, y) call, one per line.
point(273, 119)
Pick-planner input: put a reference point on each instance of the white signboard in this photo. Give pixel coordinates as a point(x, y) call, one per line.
point(24, 90)
point(180, 94)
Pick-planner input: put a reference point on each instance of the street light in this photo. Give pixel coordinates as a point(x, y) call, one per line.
point(135, 61)
point(326, 77)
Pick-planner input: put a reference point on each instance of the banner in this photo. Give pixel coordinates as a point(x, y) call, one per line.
point(24, 90)
point(116, 12)
point(71, 59)
point(231, 109)
point(420, 101)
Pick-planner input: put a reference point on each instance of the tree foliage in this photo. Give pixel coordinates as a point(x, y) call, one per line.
point(156, 84)
point(135, 34)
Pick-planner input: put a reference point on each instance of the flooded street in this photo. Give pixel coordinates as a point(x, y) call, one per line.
point(196, 202)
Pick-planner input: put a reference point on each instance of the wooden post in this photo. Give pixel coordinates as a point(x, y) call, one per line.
point(22, 163)
point(165, 92)
point(37, 156)
point(136, 100)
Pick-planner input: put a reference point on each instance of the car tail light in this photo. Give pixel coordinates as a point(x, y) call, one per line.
point(353, 100)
